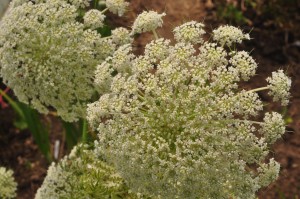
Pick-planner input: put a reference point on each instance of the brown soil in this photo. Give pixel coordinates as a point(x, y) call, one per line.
point(273, 47)
point(18, 152)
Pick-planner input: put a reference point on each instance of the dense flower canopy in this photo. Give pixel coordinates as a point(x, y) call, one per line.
point(176, 124)
point(48, 57)
point(172, 123)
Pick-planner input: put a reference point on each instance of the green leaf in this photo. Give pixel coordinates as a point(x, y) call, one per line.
point(84, 132)
point(20, 124)
point(72, 133)
point(13, 104)
point(105, 31)
point(38, 130)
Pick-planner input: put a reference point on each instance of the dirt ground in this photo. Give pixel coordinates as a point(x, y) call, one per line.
point(273, 47)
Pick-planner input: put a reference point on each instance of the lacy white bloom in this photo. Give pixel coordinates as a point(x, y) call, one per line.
point(189, 32)
point(274, 127)
point(121, 59)
point(8, 186)
point(103, 76)
point(49, 59)
point(176, 125)
point(244, 63)
point(120, 62)
point(279, 85)
point(117, 6)
point(93, 19)
point(268, 172)
point(82, 175)
point(79, 3)
point(157, 49)
point(16, 3)
point(121, 36)
point(147, 21)
point(213, 55)
point(250, 106)
point(228, 35)
point(105, 47)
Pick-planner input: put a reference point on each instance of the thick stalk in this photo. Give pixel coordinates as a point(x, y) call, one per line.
point(84, 132)
point(13, 104)
point(258, 89)
point(155, 34)
point(103, 11)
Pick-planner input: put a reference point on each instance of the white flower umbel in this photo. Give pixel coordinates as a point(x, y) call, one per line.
point(121, 36)
point(268, 172)
point(49, 58)
point(121, 59)
point(157, 49)
point(8, 186)
point(213, 55)
point(82, 174)
point(228, 35)
point(279, 85)
point(177, 124)
point(120, 62)
point(244, 63)
point(93, 19)
point(189, 32)
point(78, 3)
point(103, 76)
point(117, 6)
point(147, 21)
point(273, 127)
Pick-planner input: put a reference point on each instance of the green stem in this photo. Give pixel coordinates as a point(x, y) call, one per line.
point(84, 132)
point(107, 37)
point(258, 89)
point(95, 4)
point(13, 104)
point(155, 34)
point(103, 11)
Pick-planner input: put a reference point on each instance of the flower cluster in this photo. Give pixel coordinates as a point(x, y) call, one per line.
point(273, 127)
point(157, 49)
point(228, 35)
point(8, 186)
point(279, 85)
point(119, 62)
point(121, 36)
point(93, 19)
point(268, 172)
point(79, 4)
point(244, 63)
point(189, 32)
point(176, 124)
point(48, 57)
point(117, 6)
point(83, 174)
point(147, 21)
